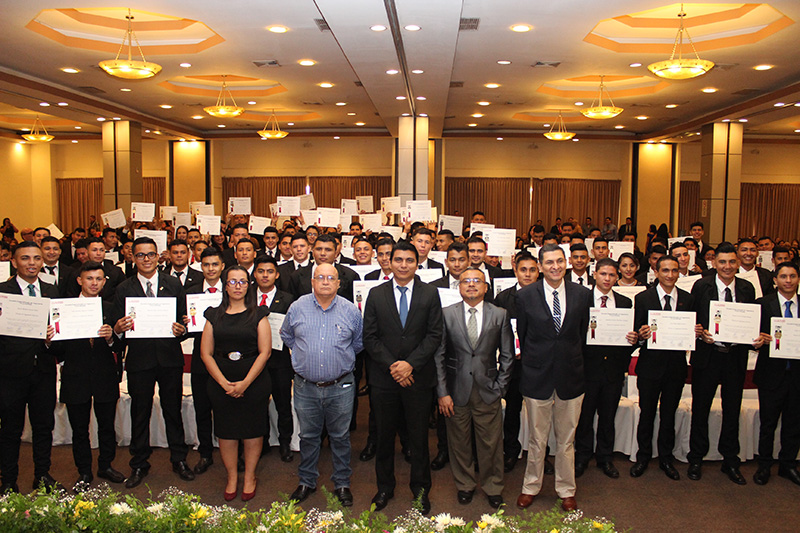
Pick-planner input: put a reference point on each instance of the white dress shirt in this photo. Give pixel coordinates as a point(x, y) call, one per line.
point(154, 280)
point(398, 294)
point(793, 308)
point(598, 302)
point(270, 296)
point(182, 277)
point(23, 285)
point(575, 277)
point(478, 315)
point(721, 289)
point(218, 286)
point(673, 297)
point(562, 298)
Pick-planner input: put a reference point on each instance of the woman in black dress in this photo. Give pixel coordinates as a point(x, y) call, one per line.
point(235, 347)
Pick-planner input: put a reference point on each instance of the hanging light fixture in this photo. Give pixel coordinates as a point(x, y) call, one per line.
point(36, 134)
point(272, 129)
point(601, 111)
point(681, 68)
point(130, 69)
point(558, 131)
point(222, 109)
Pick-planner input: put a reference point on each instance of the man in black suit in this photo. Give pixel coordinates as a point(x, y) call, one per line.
point(778, 382)
point(271, 238)
point(626, 229)
point(476, 248)
point(68, 246)
point(457, 262)
point(423, 240)
point(96, 251)
point(716, 363)
point(238, 233)
point(27, 379)
point(324, 252)
point(383, 255)
point(647, 275)
point(178, 266)
point(579, 273)
point(301, 256)
point(62, 275)
point(402, 331)
point(604, 367)
point(553, 316)
point(697, 230)
point(748, 255)
point(150, 361)
point(279, 365)
point(110, 240)
point(90, 378)
point(660, 373)
point(126, 263)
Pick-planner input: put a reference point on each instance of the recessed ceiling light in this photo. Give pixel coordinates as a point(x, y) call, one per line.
point(21, 142)
point(336, 138)
point(290, 123)
point(726, 120)
point(101, 119)
point(491, 85)
point(578, 103)
point(157, 132)
point(484, 103)
point(165, 106)
point(125, 90)
point(503, 62)
point(763, 67)
point(44, 104)
point(406, 115)
point(417, 71)
point(412, 27)
point(421, 98)
point(545, 125)
point(278, 29)
point(197, 117)
point(797, 131)
point(642, 117)
point(77, 127)
point(499, 138)
point(26, 129)
point(70, 70)
point(742, 120)
point(147, 131)
point(326, 85)
point(182, 140)
point(779, 104)
point(392, 71)
point(361, 123)
point(341, 103)
point(351, 114)
point(116, 118)
point(651, 141)
point(710, 90)
point(74, 142)
point(423, 114)
point(671, 106)
point(619, 127)
point(472, 125)
point(399, 97)
point(575, 140)
point(63, 104)
point(663, 141)
point(307, 62)
point(520, 28)
point(476, 115)
point(185, 65)
point(378, 27)
point(797, 104)
point(218, 125)
point(634, 65)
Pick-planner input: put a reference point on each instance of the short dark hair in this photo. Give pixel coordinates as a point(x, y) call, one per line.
point(285, 234)
point(194, 229)
point(240, 226)
point(568, 223)
point(690, 239)
point(551, 248)
point(25, 244)
point(106, 231)
point(664, 258)
point(244, 241)
point(747, 239)
point(211, 251)
point(269, 229)
point(578, 247)
point(776, 250)
point(457, 247)
point(326, 237)
point(50, 238)
point(384, 242)
point(599, 239)
point(41, 227)
point(264, 258)
point(177, 242)
point(404, 246)
point(139, 241)
point(300, 236)
point(538, 228)
point(475, 239)
point(361, 238)
point(549, 236)
point(658, 249)
point(481, 213)
point(786, 264)
point(604, 262)
point(424, 231)
point(356, 224)
point(79, 229)
point(314, 226)
point(525, 256)
point(725, 248)
point(90, 266)
point(82, 243)
point(447, 233)
point(696, 224)
point(577, 235)
point(765, 237)
point(96, 240)
point(675, 245)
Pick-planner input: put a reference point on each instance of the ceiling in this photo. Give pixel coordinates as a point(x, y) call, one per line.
point(554, 65)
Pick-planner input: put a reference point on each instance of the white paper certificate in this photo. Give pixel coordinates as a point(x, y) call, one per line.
point(500, 242)
point(196, 305)
point(349, 207)
point(429, 275)
point(608, 327)
point(734, 322)
point(671, 330)
point(629, 292)
point(258, 224)
point(182, 219)
point(363, 270)
point(785, 338)
point(208, 224)
point(307, 202)
point(289, 206)
point(114, 219)
point(157, 235)
point(168, 212)
point(142, 211)
point(204, 209)
point(365, 204)
point(5, 270)
point(765, 260)
point(275, 323)
point(327, 217)
point(371, 222)
point(152, 317)
point(449, 296)
point(239, 205)
point(23, 316)
point(395, 231)
point(419, 210)
point(475, 226)
point(752, 277)
point(390, 204)
point(454, 224)
point(361, 292)
point(57, 233)
point(501, 284)
point(687, 282)
point(309, 217)
point(76, 318)
point(617, 248)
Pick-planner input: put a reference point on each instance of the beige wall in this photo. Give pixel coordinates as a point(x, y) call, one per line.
point(85, 159)
point(761, 163)
point(655, 174)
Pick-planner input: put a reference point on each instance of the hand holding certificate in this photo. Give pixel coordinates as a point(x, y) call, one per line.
point(23, 316)
point(152, 318)
point(671, 330)
point(196, 305)
point(785, 338)
point(76, 318)
point(609, 327)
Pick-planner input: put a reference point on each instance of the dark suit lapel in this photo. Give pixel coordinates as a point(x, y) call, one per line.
point(391, 304)
point(460, 321)
point(415, 300)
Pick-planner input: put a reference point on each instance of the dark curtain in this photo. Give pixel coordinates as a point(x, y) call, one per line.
point(329, 191)
point(576, 198)
point(505, 201)
point(263, 190)
point(154, 191)
point(77, 199)
point(689, 205)
point(770, 209)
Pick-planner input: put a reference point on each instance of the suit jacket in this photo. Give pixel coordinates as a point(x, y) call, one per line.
point(704, 292)
point(770, 371)
point(346, 260)
point(280, 304)
point(66, 252)
point(193, 277)
point(552, 361)
point(374, 275)
point(608, 363)
point(286, 270)
point(114, 277)
point(129, 269)
point(568, 277)
point(765, 279)
point(145, 354)
point(387, 341)
point(460, 366)
point(67, 277)
point(228, 257)
point(436, 264)
point(655, 364)
point(300, 281)
point(91, 370)
point(21, 357)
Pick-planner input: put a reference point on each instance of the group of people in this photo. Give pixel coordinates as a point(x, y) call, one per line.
point(471, 365)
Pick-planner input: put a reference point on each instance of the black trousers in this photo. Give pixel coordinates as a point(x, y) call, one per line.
point(724, 369)
point(37, 392)
point(141, 387)
point(601, 397)
point(650, 390)
point(774, 404)
point(282, 396)
point(79, 416)
point(202, 413)
point(413, 405)
point(511, 421)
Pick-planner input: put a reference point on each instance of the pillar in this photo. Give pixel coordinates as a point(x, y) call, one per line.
point(721, 181)
point(412, 158)
point(654, 187)
point(122, 164)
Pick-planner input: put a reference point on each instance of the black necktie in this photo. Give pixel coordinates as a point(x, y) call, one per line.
point(50, 269)
point(728, 295)
point(667, 306)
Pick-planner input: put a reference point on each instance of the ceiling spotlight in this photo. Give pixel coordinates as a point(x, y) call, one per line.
point(499, 138)
point(336, 138)
point(220, 125)
point(165, 106)
point(406, 115)
point(726, 120)
point(545, 125)
point(797, 131)
point(423, 114)
point(351, 114)
point(619, 127)
point(77, 127)
point(125, 90)
point(290, 123)
point(634, 65)
point(417, 71)
point(399, 97)
point(341, 103)
point(710, 90)
point(376, 27)
point(251, 102)
point(412, 27)
point(642, 117)
point(63, 104)
point(421, 98)
point(197, 117)
point(361, 123)
point(763, 67)
point(671, 106)
point(185, 65)
point(484, 103)
point(70, 70)
point(307, 62)
point(116, 118)
point(74, 142)
point(101, 119)
point(651, 141)
point(503, 62)
point(44, 104)
point(392, 71)
point(326, 85)
point(578, 104)
point(575, 140)
point(520, 28)
point(476, 115)
point(472, 125)
point(779, 104)
point(742, 120)
point(278, 29)
point(158, 132)
point(491, 85)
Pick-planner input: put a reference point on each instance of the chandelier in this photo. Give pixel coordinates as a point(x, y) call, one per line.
point(222, 109)
point(681, 68)
point(130, 69)
point(271, 129)
point(558, 132)
point(36, 134)
point(601, 111)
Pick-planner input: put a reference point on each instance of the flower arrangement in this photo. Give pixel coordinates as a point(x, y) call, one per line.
point(102, 509)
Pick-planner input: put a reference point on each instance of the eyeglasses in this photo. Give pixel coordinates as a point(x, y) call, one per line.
point(329, 277)
point(470, 281)
point(142, 255)
point(239, 282)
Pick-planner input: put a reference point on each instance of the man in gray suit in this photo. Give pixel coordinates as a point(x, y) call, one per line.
point(471, 385)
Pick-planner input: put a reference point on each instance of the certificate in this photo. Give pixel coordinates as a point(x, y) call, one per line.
point(671, 330)
point(168, 212)
point(23, 316)
point(673, 240)
point(309, 217)
point(687, 282)
point(429, 275)
point(257, 225)
point(76, 318)
point(589, 242)
point(617, 248)
point(419, 210)
point(182, 219)
point(193, 206)
point(361, 292)
point(390, 204)
point(765, 260)
point(143, 212)
point(289, 206)
point(275, 323)
point(500, 242)
point(449, 297)
point(395, 231)
point(114, 219)
point(208, 224)
point(785, 338)
point(439, 257)
point(47, 278)
point(608, 327)
point(365, 204)
point(157, 235)
point(501, 284)
point(517, 350)
point(152, 317)
point(196, 305)
point(239, 205)
point(734, 322)
point(475, 226)
point(307, 202)
point(454, 224)
point(113, 257)
point(567, 252)
point(273, 210)
point(371, 222)
point(347, 241)
point(363, 270)
point(692, 259)
point(752, 277)
point(629, 291)
point(57, 233)
point(349, 207)
point(204, 209)
point(344, 221)
point(5, 270)
point(327, 217)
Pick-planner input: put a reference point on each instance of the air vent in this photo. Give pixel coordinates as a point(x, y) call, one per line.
point(456, 84)
point(266, 63)
point(725, 66)
point(469, 24)
point(313, 103)
point(448, 117)
point(640, 105)
point(91, 90)
point(358, 84)
point(322, 25)
point(748, 92)
point(542, 64)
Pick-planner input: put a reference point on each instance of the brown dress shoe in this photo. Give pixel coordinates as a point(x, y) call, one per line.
point(569, 504)
point(525, 500)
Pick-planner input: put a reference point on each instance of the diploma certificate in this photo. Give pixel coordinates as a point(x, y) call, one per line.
point(196, 305)
point(24, 316)
point(209, 224)
point(114, 219)
point(159, 236)
point(390, 204)
point(785, 338)
point(365, 204)
point(454, 224)
point(76, 318)
point(289, 206)
point(258, 225)
point(142, 211)
point(371, 222)
point(419, 210)
point(734, 322)
point(449, 296)
point(241, 205)
point(500, 242)
point(152, 317)
point(608, 327)
point(671, 330)
point(328, 217)
point(361, 292)
point(275, 323)
point(349, 207)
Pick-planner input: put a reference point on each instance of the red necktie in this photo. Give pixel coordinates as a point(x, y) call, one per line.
point(603, 300)
point(263, 300)
point(212, 290)
point(385, 277)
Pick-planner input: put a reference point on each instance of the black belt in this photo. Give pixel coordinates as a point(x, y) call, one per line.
point(324, 383)
point(235, 356)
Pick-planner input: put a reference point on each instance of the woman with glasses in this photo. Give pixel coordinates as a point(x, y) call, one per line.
point(235, 347)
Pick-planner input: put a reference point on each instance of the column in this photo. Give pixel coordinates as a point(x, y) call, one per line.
point(720, 181)
point(654, 187)
point(122, 164)
point(412, 158)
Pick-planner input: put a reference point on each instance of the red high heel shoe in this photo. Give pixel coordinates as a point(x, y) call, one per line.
point(229, 496)
point(247, 496)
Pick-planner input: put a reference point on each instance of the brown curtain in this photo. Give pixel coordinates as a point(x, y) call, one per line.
point(689, 205)
point(329, 191)
point(770, 209)
point(505, 201)
point(263, 190)
point(154, 191)
point(77, 199)
point(576, 198)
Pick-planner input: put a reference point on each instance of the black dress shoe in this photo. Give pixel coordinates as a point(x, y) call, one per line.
point(286, 453)
point(509, 463)
point(733, 474)
point(440, 461)
point(47, 482)
point(495, 501)
point(580, 468)
point(549, 469)
point(345, 496)
point(638, 468)
point(8, 487)
point(183, 470)
point(203, 464)
point(136, 477)
point(368, 452)
point(83, 483)
point(423, 503)
point(407, 455)
point(111, 475)
point(381, 499)
point(609, 469)
point(761, 476)
point(669, 470)
point(302, 492)
point(791, 474)
point(695, 471)
point(465, 496)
